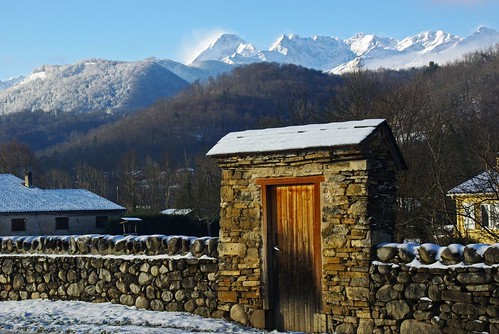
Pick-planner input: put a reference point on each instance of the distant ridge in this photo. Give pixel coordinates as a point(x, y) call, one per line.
point(121, 87)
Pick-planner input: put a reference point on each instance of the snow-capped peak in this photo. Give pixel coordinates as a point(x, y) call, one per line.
point(428, 41)
point(361, 43)
point(225, 46)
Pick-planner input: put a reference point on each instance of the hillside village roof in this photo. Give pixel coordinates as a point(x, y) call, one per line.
point(484, 183)
point(15, 197)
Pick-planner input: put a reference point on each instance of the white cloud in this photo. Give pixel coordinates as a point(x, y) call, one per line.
point(195, 42)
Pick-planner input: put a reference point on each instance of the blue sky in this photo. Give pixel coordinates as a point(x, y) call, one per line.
point(35, 32)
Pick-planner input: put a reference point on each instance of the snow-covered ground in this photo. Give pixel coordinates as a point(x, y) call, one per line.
point(45, 316)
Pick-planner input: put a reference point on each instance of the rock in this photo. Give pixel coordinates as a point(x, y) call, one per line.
point(8, 267)
point(150, 292)
point(386, 253)
point(398, 309)
point(212, 247)
point(185, 246)
point(345, 328)
point(366, 326)
point(405, 256)
point(145, 267)
point(466, 309)
point(145, 278)
point(452, 254)
point(415, 291)
point(18, 282)
point(197, 247)
point(173, 245)
point(471, 256)
point(153, 245)
point(93, 278)
point(142, 302)
point(418, 327)
point(167, 296)
point(83, 244)
point(127, 300)
point(238, 314)
point(134, 288)
point(188, 283)
point(180, 295)
point(427, 253)
point(491, 255)
point(105, 275)
point(386, 293)
point(157, 305)
point(162, 281)
point(75, 289)
point(190, 306)
point(474, 278)
point(72, 276)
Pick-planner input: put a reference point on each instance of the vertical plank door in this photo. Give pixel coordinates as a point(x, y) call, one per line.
point(296, 256)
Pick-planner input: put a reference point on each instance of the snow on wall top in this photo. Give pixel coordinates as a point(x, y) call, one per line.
point(484, 183)
point(15, 197)
point(296, 137)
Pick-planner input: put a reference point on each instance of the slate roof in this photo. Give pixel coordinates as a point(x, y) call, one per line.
point(15, 197)
point(296, 137)
point(484, 183)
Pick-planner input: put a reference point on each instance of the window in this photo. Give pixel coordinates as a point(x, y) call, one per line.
point(18, 224)
point(61, 223)
point(490, 215)
point(469, 216)
point(100, 221)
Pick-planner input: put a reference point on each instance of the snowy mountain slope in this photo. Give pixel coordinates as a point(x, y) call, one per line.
point(420, 49)
point(9, 83)
point(92, 85)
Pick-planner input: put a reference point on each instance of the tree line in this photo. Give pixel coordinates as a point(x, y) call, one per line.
point(444, 118)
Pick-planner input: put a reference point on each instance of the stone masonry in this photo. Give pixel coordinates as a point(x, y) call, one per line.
point(357, 205)
point(430, 289)
point(155, 272)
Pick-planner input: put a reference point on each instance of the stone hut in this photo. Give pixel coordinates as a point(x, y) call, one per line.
point(301, 209)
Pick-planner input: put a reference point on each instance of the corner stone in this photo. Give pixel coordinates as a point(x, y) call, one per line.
point(237, 314)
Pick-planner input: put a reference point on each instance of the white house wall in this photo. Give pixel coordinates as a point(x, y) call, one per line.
point(44, 224)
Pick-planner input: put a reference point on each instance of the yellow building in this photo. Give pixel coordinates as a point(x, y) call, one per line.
point(477, 207)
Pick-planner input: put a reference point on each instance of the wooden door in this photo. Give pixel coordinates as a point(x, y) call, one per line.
point(295, 248)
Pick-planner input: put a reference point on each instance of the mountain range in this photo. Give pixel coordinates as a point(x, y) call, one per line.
point(121, 87)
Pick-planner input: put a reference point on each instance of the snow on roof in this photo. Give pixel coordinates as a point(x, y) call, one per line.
point(131, 219)
point(296, 137)
point(15, 197)
point(177, 212)
point(484, 183)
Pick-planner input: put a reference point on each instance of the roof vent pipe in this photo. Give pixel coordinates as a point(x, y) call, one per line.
point(28, 179)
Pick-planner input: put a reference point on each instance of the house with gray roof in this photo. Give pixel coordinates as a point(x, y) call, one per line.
point(29, 210)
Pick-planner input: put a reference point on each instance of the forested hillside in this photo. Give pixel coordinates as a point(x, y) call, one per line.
point(445, 119)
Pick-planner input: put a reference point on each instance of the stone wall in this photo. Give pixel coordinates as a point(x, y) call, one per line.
point(150, 272)
point(432, 289)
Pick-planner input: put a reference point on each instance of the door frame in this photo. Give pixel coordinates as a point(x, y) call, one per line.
point(267, 265)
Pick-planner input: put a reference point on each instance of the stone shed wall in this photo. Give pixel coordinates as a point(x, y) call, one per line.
point(430, 289)
point(357, 207)
point(154, 272)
